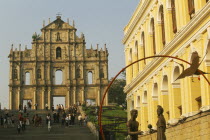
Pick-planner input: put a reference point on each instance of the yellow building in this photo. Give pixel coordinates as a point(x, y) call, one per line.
point(174, 28)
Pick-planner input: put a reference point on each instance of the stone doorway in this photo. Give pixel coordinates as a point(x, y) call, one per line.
point(25, 102)
point(59, 100)
point(91, 102)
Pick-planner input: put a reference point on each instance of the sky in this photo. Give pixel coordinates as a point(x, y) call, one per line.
point(101, 21)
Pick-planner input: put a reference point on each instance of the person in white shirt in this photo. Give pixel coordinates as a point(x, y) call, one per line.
point(80, 119)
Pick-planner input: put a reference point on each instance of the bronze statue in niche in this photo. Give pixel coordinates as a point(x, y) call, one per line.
point(133, 125)
point(161, 124)
point(58, 37)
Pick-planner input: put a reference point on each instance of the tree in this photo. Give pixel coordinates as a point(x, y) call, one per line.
point(116, 93)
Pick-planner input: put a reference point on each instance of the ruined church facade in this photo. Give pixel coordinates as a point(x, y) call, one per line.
point(58, 49)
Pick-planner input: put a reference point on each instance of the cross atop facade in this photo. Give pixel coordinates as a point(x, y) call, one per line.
point(59, 14)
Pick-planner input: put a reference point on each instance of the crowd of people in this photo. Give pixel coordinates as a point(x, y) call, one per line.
point(66, 117)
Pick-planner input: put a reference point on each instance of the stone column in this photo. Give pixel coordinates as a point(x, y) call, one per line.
point(42, 105)
point(49, 98)
point(74, 96)
point(99, 97)
point(18, 98)
point(68, 98)
point(34, 99)
point(106, 98)
point(83, 97)
point(10, 99)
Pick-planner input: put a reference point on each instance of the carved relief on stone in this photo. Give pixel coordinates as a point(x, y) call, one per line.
point(46, 36)
point(78, 72)
point(58, 24)
point(47, 52)
point(65, 53)
point(78, 50)
point(58, 36)
point(15, 73)
point(27, 53)
point(39, 76)
point(40, 51)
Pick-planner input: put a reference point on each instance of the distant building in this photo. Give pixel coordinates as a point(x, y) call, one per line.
point(174, 28)
point(84, 72)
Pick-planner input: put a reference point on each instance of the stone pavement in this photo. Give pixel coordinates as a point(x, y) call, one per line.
point(58, 132)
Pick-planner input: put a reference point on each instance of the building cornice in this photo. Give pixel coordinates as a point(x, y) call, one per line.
point(142, 76)
point(135, 19)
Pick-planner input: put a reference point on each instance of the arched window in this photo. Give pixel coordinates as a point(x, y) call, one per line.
point(155, 90)
point(165, 84)
point(39, 76)
point(90, 77)
point(27, 78)
point(176, 74)
point(173, 16)
point(15, 74)
point(162, 24)
point(153, 35)
point(137, 55)
point(191, 7)
point(131, 67)
point(58, 77)
point(130, 55)
point(138, 101)
point(145, 97)
point(58, 52)
point(143, 45)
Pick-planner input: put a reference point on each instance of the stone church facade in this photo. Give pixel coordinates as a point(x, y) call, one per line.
point(58, 48)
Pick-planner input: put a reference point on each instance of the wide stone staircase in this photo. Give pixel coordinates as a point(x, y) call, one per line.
point(58, 132)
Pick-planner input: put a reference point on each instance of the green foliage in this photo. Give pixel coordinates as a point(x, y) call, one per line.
point(114, 116)
point(116, 93)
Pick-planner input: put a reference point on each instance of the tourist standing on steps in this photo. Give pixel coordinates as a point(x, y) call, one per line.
point(20, 107)
point(49, 126)
point(54, 117)
point(25, 108)
point(72, 118)
point(27, 119)
point(36, 106)
point(80, 119)
point(18, 128)
point(46, 106)
point(85, 120)
point(52, 108)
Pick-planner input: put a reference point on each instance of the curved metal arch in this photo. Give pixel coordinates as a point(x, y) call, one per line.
point(102, 101)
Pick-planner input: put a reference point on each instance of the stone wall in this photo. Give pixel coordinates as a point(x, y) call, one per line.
point(193, 128)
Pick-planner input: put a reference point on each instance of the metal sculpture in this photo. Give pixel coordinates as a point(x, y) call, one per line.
point(104, 95)
point(193, 69)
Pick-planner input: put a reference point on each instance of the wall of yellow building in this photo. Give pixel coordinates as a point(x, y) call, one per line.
point(182, 94)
